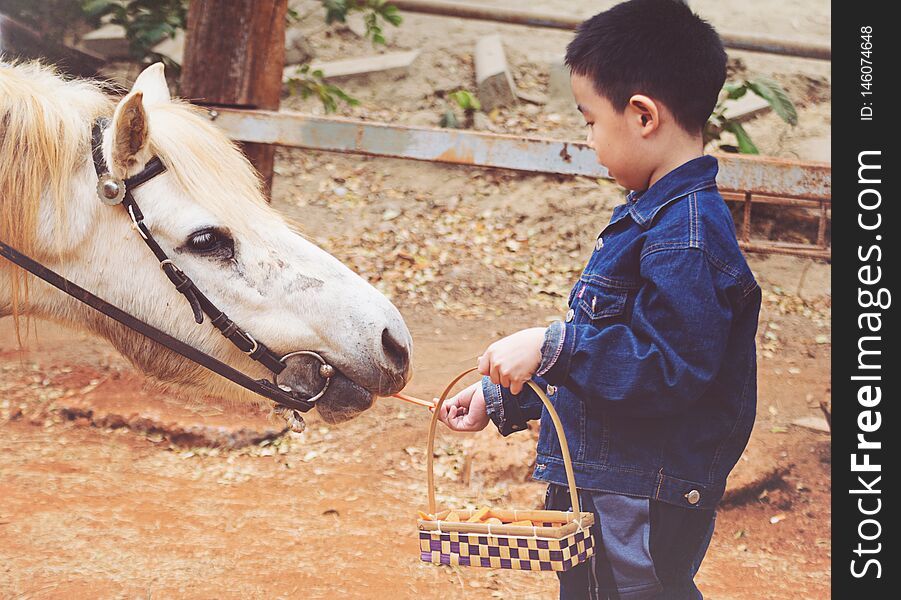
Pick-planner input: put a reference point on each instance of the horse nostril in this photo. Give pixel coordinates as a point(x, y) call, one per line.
point(397, 353)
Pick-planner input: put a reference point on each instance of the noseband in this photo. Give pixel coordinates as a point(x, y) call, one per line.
point(111, 192)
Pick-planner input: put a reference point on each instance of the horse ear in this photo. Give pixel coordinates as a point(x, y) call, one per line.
point(129, 135)
point(152, 83)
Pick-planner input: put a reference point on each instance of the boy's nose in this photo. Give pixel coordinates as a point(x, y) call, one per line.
point(589, 140)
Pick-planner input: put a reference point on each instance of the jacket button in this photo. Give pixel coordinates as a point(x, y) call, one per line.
point(599, 244)
point(693, 496)
point(569, 315)
point(551, 390)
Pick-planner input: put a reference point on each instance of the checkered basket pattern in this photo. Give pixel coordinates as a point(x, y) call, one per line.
point(557, 542)
point(506, 552)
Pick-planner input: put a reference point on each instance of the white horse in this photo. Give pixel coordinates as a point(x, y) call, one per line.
point(207, 212)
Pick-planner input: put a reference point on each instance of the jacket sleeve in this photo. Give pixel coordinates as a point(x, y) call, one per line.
point(511, 412)
point(664, 358)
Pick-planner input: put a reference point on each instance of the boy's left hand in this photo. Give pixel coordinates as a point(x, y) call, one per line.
point(513, 360)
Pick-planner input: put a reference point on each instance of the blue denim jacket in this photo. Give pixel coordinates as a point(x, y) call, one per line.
point(654, 370)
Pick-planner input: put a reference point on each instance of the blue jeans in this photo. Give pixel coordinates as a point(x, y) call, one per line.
point(645, 550)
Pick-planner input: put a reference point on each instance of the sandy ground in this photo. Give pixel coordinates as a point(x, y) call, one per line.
point(110, 489)
point(92, 506)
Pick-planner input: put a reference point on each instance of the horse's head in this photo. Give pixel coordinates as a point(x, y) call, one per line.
point(209, 215)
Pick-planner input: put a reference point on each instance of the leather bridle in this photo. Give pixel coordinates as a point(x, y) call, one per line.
point(111, 192)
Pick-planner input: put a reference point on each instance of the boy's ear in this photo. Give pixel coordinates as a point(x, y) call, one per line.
point(645, 112)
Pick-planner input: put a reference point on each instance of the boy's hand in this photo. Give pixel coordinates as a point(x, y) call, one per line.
point(513, 360)
point(465, 411)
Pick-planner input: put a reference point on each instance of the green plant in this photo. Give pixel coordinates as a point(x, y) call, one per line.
point(146, 22)
point(468, 103)
point(767, 89)
point(307, 82)
point(375, 11)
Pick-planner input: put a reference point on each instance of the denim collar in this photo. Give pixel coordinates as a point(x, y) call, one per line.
point(695, 175)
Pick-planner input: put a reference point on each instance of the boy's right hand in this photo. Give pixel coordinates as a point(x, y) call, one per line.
point(466, 411)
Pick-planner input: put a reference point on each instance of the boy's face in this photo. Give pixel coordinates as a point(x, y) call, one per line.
point(618, 138)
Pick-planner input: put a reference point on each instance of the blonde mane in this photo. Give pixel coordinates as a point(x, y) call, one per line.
point(44, 139)
point(45, 124)
point(206, 164)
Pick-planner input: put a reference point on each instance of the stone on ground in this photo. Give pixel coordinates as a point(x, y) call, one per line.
point(495, 86)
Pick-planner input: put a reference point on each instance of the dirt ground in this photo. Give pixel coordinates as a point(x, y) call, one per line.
point(101, 503)
point(109, 488)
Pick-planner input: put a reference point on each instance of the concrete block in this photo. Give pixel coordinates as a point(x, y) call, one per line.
point(745, 108)
point(394, 63)
point(173, 48)
point(108, 41)
point(559, 90)
point(495, 86)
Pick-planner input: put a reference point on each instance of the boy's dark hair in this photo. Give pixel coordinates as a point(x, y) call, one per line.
point(659, 48)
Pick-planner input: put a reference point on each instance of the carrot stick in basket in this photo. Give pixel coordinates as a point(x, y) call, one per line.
point(412, 400)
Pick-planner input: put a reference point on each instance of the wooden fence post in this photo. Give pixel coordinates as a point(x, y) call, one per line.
point(234, 56)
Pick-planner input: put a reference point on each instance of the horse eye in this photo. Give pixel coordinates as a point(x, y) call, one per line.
point(211, 241)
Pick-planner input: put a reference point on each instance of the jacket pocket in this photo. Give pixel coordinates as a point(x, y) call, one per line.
point(596, 301)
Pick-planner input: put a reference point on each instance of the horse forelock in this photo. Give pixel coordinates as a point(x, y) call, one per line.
point(44, 137)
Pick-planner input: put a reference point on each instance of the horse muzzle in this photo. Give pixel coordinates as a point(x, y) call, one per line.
point(337, 397)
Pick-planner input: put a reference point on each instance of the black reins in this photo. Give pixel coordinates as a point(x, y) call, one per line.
point(114, 191)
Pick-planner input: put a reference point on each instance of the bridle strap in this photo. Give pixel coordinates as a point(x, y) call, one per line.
point(259, 386)
point(121, 193)
point(199, 303)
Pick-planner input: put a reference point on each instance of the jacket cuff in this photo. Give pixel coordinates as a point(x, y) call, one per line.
point(503, 409)
point(554, 336)
point(558, 370)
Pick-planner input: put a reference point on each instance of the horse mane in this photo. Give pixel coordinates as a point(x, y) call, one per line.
point(45, 133)
point(44, 139)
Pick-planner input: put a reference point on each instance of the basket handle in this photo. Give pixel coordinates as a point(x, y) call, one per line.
point(567, 461)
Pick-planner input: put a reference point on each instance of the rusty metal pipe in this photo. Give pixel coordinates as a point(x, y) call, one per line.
point(758, 175)
point(745, 178)
point(769, 247)
point(750, 43)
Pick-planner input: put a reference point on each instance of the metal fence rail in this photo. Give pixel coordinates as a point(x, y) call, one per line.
point(748, 179)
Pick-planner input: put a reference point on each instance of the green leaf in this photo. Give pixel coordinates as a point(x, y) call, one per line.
point(392, 15)
point(736, 90)
point(777, 98)
point(97, 8)
point(466, 100)
point(307, 84)
point(745, 145)
point(335, 10)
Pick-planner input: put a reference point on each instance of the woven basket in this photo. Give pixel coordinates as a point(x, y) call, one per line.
point(562, 541)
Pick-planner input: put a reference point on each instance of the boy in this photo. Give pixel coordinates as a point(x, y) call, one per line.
point(653, 370)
